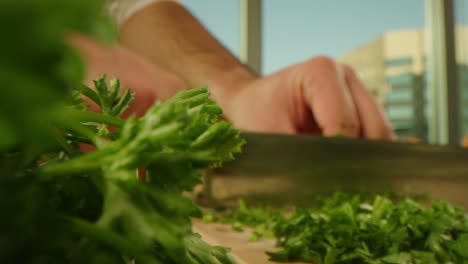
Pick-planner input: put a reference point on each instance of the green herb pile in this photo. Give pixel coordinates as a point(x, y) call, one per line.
point(62, 205)
point(348, 229)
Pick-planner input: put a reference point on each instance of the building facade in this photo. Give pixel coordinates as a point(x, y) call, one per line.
point(393, 68)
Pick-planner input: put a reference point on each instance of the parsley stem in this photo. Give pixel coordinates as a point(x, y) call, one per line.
point(80, 164)
point(94, 117)
point(65, 145)
point(112, 240)
point(79, 129)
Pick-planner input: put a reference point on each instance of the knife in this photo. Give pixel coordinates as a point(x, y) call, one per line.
point(300, 165)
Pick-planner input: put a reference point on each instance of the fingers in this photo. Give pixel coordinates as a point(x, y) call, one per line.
point(374, 123)
point(340, 103)
point(328, 97)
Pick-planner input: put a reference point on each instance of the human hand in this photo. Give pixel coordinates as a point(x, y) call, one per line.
point(317, 96)
point(149, 82)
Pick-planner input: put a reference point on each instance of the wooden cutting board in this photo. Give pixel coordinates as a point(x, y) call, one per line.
point(243, 250)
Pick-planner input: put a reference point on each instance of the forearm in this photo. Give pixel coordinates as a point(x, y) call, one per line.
point(172, 38)
point(149, 82)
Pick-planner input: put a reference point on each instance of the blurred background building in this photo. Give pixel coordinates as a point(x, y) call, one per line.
point(393, 67)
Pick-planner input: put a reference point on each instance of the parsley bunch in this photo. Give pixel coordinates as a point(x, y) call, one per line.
point(62, 205)
point(67, 206)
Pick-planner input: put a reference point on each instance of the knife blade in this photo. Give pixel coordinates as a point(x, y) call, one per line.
point(305, 164)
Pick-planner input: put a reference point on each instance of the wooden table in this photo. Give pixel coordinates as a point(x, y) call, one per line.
point(243, 250)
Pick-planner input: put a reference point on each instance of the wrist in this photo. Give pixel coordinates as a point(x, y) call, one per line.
point(226, 86)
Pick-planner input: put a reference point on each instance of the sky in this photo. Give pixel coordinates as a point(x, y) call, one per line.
point(296, 30)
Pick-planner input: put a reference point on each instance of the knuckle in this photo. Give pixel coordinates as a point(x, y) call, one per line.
point(323, 62)
point(319, 71)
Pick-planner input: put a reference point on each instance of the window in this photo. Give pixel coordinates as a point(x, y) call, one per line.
point(221, 18)
point(384, 41)
point(461, 55)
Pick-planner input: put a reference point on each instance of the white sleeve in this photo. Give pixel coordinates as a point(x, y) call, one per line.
point(121, 10)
